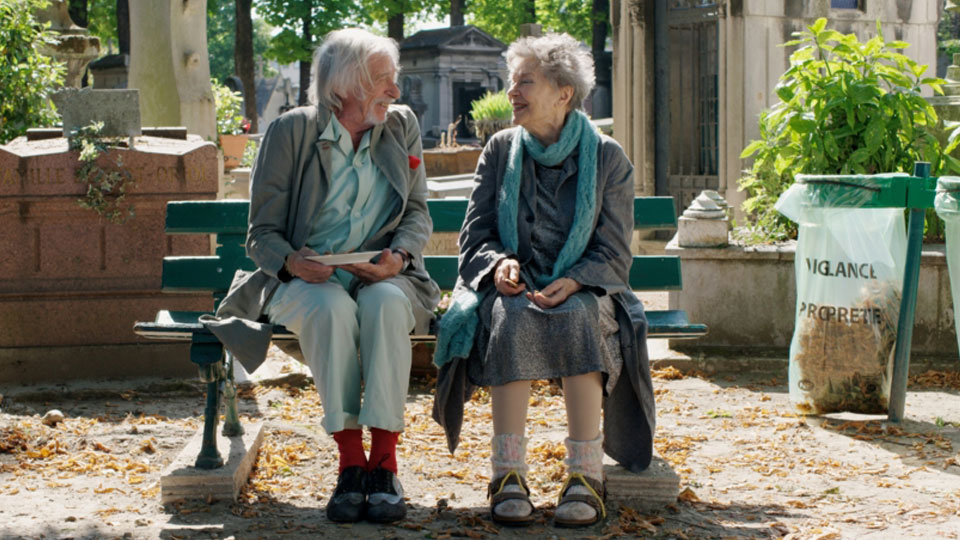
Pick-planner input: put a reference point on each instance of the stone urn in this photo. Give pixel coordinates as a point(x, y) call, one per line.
point(76, 47)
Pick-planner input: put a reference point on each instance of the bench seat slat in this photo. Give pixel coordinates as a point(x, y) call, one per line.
point(182, 325)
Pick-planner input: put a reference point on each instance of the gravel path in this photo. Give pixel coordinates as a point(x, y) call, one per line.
point(749, 466)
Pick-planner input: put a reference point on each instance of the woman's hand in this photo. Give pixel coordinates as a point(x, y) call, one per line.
point(555, 293)
point(506, 277)
point(310, 271)
point(388, 265)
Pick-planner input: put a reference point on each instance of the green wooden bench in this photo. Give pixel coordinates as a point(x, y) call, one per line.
point(227, 219)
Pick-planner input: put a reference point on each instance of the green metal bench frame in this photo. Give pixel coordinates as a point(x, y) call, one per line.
point(227, 219)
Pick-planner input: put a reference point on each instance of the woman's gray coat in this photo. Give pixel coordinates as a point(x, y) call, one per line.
point(604, 268)
point(289, 185)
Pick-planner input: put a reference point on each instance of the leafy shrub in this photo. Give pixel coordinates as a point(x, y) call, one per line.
point(490, 114)
point(492, 106)
point(847, 107)
point(27, 78)
point(229, 104)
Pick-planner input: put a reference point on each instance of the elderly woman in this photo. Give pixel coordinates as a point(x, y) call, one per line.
point(543, 289)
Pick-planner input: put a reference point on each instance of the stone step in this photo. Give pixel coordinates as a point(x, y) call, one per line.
point(655, 487)
point(182, 481)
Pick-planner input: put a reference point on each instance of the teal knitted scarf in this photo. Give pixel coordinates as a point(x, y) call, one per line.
point(458, 326)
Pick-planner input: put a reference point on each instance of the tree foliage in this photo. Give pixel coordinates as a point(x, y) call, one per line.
point(221, 39)
point(102, 22)
point(502, 18)
point(27, 77)
point(293, 17)
point(847, 107)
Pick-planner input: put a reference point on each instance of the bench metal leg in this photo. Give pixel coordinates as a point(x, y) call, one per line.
point(209, 457)
point(231, 420)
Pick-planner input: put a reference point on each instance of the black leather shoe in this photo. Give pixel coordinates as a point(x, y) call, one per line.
point(349, 498)
point(384, 497)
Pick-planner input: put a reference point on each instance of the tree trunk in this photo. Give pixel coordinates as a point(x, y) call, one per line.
point(395, 27)
point(305, 64)
point(531, 12)
point(123, 26)
point(456, 12)
point(601, 63)
point(243, 60)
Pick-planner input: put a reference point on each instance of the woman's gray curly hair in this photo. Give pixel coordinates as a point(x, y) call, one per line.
point(561, 60)
point(340, 65)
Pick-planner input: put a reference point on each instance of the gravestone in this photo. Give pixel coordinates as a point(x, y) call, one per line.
point(119, 110)
point(71, 283)
point(443, 70)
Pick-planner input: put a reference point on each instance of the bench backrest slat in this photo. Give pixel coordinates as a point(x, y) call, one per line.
point(230, 215)
point(190, 274)
point(228, 219)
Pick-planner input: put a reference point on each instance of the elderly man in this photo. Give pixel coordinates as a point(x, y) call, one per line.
point(343, 175)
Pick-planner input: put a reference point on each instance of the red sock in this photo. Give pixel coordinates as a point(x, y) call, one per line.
point(383, 450)
point(350, 443)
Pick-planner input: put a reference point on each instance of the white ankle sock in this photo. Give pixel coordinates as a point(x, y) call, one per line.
point(509, 454)
point(586, 458)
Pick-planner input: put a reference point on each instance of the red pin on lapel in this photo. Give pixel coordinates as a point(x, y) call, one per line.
point(414, 161)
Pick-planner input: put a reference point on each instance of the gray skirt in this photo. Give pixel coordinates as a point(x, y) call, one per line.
point(518, 341)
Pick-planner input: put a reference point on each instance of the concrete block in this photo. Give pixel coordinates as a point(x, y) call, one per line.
point(444, 190)
point(702, 232)
point(119, 110)
point(181, 480)
point(655, 487)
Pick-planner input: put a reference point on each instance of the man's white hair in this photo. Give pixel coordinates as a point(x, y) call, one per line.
point(561, 60)
point(340, 65)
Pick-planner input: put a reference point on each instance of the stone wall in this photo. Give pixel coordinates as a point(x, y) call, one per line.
point(747, 298)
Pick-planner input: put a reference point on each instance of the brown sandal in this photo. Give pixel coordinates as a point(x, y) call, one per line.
point(594, 499)
point(497, 496)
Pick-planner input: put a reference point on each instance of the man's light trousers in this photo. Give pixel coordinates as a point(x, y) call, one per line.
point(353, 347)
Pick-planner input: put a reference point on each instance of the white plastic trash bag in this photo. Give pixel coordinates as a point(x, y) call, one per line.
point(947, 205)
point(849, 268)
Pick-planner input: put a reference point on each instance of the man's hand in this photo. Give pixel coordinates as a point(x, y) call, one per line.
point(389, 265)
point(506, 277)
point(307, 270)
point(555, 293)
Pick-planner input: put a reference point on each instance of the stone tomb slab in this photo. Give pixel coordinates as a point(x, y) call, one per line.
point(655, 487)
point(119, 110)
point(181, 480)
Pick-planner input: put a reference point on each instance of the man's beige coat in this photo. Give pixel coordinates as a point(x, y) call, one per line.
point(288, 188)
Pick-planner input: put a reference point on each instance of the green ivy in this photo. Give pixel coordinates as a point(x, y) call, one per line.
point(106, 188)
point(27, 77)
point(846, 107)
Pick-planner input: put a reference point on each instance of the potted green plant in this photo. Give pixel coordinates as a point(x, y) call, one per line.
point(232, 127)
point(490, 114)
point(846, 107)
